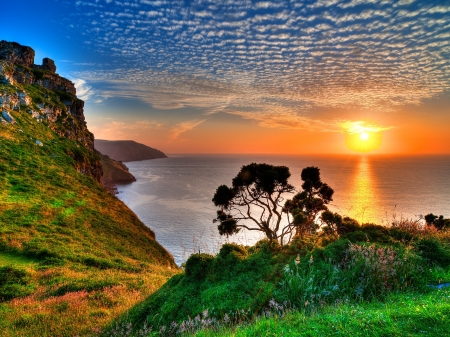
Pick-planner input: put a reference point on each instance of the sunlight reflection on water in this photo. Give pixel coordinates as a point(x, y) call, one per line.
point(173, 195)
point(362, 192)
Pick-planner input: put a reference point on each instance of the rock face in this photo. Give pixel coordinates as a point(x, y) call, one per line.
point(48, 98)
point(26, 72)
point(127, 150)
point(48, 64)
point(17, 54)
point(114, 172)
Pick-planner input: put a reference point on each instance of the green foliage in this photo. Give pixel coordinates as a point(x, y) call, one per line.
point(255, 185)
point(344, 271)
point(407, 314)
point(38, 74)
point(14, 282)
point(235, 279)
point(432, 250)
point(254, 280)
point(306, 205)
point(198, 265)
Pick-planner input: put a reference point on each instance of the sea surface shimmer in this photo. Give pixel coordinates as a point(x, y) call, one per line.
point(173, 195)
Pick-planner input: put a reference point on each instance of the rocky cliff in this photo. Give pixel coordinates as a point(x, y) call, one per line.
point(114, 172)
point(48, 98)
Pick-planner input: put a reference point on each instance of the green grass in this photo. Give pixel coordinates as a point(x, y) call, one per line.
point(235, 279)
point(410, 314)
point(72, 256)
point(48, 209)
point(16, 260)
point(242, 283)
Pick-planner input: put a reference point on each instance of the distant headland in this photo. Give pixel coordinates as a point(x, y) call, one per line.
point(127, 150)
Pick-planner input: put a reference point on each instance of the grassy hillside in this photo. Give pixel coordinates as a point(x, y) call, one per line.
point(72, 256)
point(282, 291)
point(411, 314)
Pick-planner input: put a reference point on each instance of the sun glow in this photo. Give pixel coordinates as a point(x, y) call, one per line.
point(364, 141)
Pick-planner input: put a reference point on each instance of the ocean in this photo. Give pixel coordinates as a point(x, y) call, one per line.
point(173, 195)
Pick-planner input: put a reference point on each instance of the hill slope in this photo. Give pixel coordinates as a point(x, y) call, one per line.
point(127, 150)
point(63, 236)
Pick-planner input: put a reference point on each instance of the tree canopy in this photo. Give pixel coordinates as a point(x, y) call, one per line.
point(256, 201)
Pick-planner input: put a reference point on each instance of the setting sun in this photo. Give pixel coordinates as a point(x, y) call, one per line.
point(365, 141)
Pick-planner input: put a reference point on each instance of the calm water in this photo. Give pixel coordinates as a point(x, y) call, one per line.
point(173, 195)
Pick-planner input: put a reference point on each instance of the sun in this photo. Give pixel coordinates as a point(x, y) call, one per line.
point(365, 141)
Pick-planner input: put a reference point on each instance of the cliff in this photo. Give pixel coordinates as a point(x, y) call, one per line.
point(49, 99)
point(50, 172)
point(127, 150)
point(63, 237)
point(114, 172)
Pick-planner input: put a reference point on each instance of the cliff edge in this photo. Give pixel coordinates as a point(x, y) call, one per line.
point(51, 174)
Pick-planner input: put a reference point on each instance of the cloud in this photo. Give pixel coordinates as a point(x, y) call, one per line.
point(118, 129)
point(270, 61)
point(353, 127)
point(84, 91)
point(182, 127)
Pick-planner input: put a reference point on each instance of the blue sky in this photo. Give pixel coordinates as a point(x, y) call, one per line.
point(160, 71)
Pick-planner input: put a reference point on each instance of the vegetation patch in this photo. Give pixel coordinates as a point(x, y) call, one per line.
point(14, 282)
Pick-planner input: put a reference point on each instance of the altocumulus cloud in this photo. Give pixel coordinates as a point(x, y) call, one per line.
point(270, 61)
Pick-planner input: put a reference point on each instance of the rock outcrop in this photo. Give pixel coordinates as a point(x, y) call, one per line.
point(15, 53)
point(48, 98)
point(114, 172)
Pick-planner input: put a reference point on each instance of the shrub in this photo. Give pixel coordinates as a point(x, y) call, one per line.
point(14, 283)
point(375, 271)
point(198, 265)
point(97, 262)
point(432, 250)
point(376, 233)
point(359, 272)
point(233, 249)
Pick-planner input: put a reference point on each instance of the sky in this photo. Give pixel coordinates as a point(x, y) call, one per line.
point(241, 76)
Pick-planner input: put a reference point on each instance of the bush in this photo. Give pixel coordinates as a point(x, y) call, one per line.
point(358, 272)
point(198, 265)
point(432, 250)
point(97, 263)
point(14, 283)
point(234, 251)
point(400, 234)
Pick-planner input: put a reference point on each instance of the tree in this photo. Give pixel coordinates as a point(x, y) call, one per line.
point(438, 222)
point(336, 224)
point(256, 201)
point(306, 205)
point(256, 196)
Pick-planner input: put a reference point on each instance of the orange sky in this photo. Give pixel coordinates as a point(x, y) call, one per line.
point(421, 129)
point(242, 76)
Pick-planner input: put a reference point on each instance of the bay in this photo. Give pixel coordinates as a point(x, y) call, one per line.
point(173, 195)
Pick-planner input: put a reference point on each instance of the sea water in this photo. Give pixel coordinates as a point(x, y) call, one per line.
point(173, 195)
